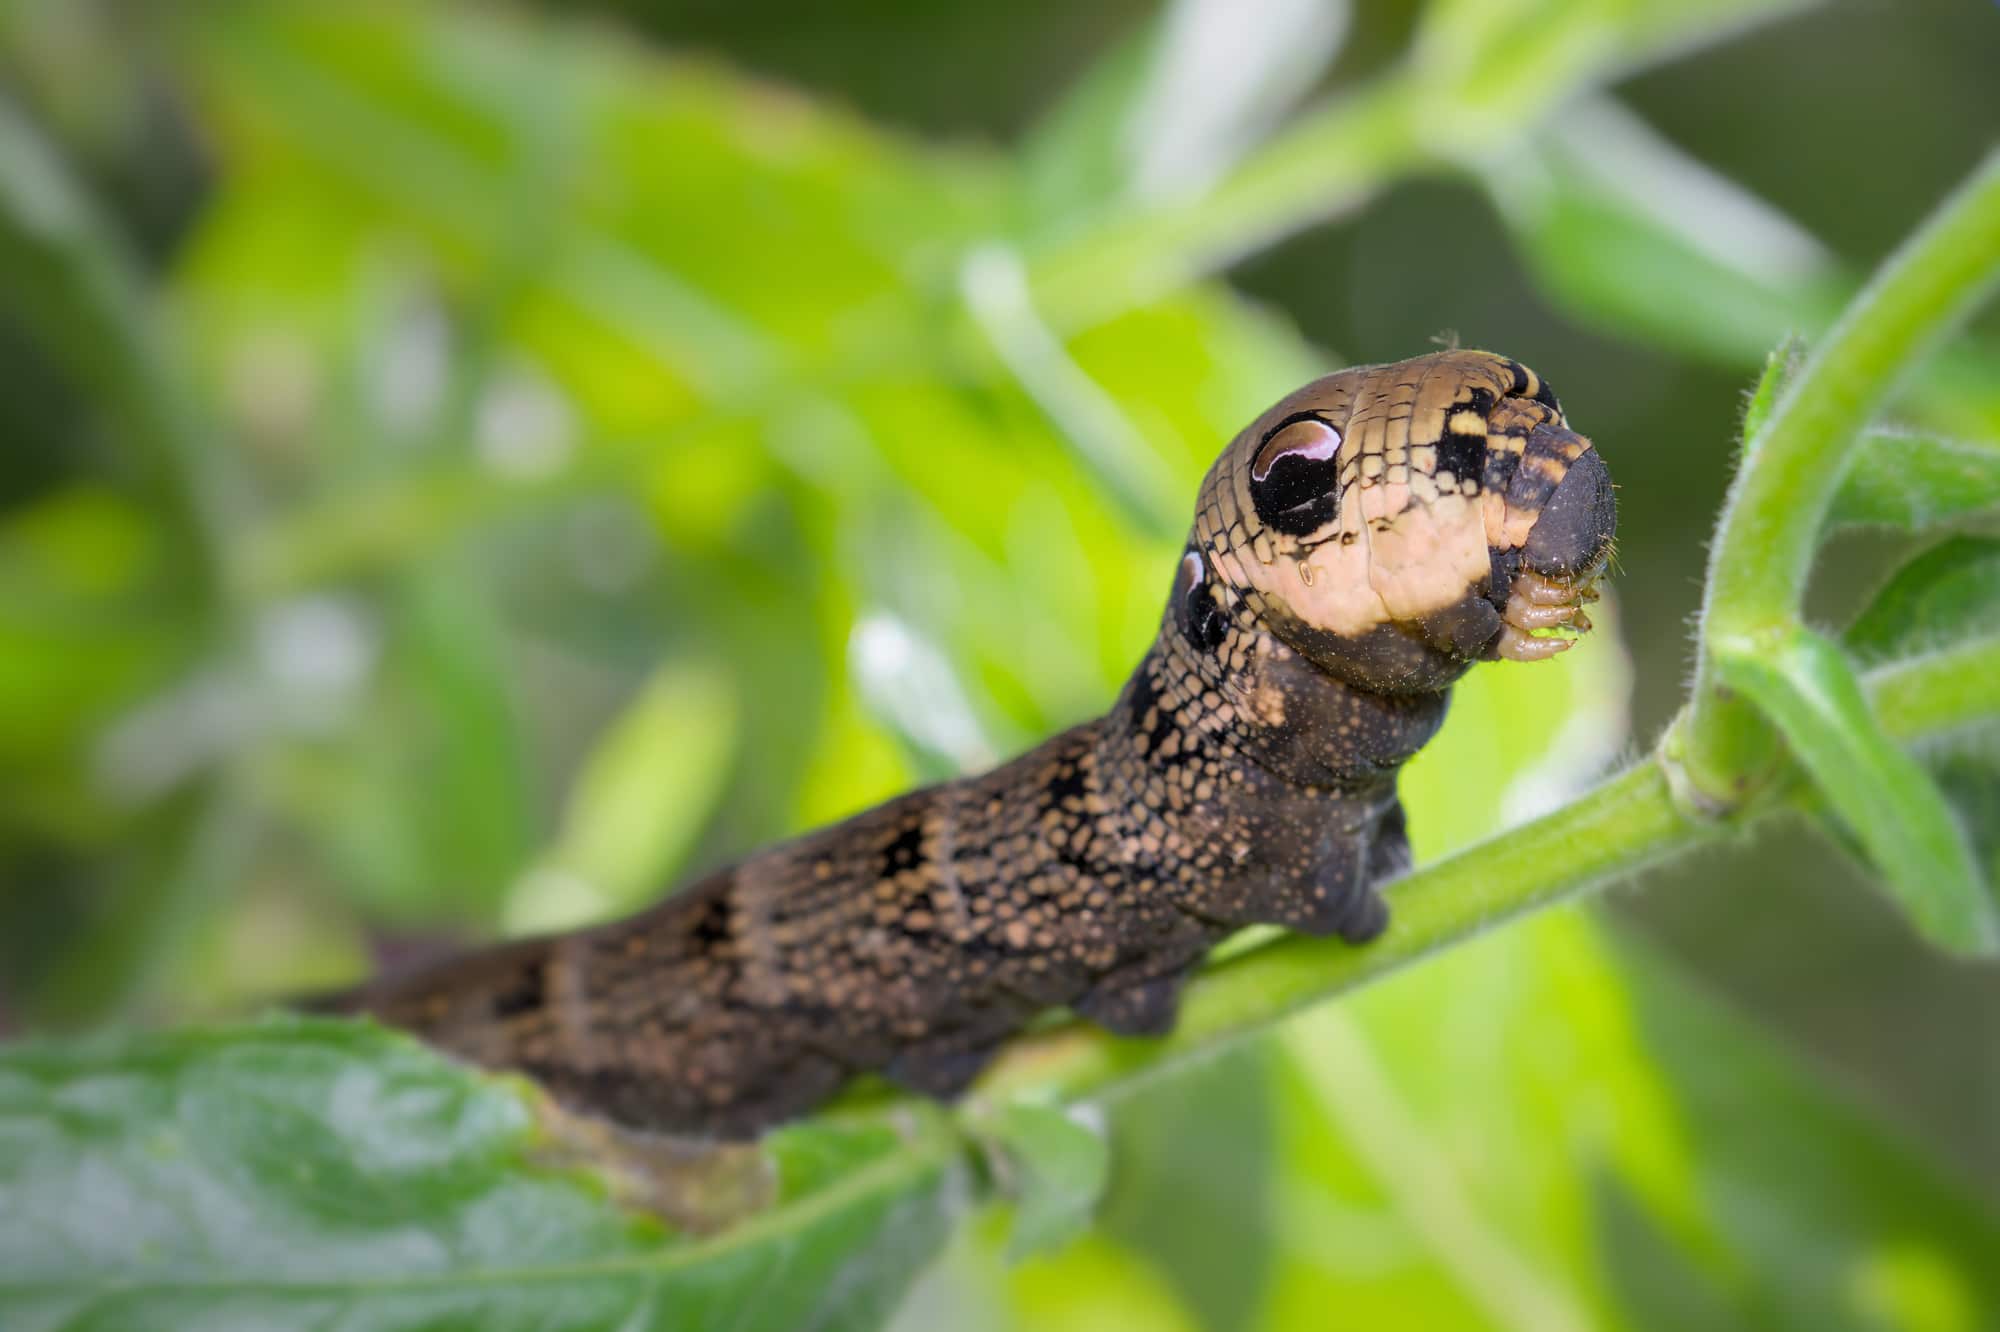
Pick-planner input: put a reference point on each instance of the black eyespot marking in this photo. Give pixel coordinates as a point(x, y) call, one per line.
point(1201, 618)
point(1295, 477)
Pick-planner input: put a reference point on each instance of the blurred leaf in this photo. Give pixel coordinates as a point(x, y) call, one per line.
point(294, 1173)
point(1914, 481)
point(1496, 57)
point(1174, 107)
point(1094, 1286)
point(996, 293)
point(75, 282)
point(1630, 233)
point(776, 227)
point(1438, 1134)
point(477, 826)
point(1634, 236)
point(1498, 1270)
point(85, 630)
point(635, 808)
point(1200, 1144)
point(1656, 1284)
point(1054, 1165)
point(1839, 1224)
point(1881, 794)
point(1542, 1131)
point(178, 865)
point(1949, 593)
point(1076, 159)
point(1479, 77)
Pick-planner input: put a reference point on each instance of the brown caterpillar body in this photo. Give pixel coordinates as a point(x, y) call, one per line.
point(1354, 551)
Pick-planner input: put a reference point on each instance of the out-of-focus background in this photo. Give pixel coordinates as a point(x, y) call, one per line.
point(468, 466)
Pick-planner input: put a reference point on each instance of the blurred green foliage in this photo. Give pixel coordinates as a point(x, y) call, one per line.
point(470, 467)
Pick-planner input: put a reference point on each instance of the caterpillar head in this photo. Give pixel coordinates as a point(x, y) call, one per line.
point(1395, 523)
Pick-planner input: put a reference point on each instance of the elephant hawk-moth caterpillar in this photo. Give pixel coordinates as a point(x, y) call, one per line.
point(1355, 549)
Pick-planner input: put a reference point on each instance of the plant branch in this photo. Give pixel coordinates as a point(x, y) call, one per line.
point(1793, 466)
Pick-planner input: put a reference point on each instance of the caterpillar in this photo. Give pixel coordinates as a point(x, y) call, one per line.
point(1354, 551)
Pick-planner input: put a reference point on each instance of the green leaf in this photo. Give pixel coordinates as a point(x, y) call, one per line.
point(1911, 481)
point(1554, 1128)
point(312, 1173)
point(1883, 796)
point(1949, 593)
point(1778, 368)
point(1933, 608)
point(1055, 1165)
point(1091, 1285)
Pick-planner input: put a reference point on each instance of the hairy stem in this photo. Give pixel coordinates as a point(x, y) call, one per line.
point(1793, 466)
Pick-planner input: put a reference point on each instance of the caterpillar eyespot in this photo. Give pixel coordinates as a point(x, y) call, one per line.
point(1203, 621)
point(1295, 477)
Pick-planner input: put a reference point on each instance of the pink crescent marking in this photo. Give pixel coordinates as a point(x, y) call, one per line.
point(1324, 445)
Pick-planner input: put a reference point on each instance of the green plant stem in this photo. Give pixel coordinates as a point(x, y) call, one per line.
point(1938, 691)
point(1792, 470)
point(1624, 825)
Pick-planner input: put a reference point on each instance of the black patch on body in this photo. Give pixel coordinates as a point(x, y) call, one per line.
point(1142, 696)
point(1543, 394)
point(1464, 456)
point(527, 994)
point(711, 924)
point(906, 851)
